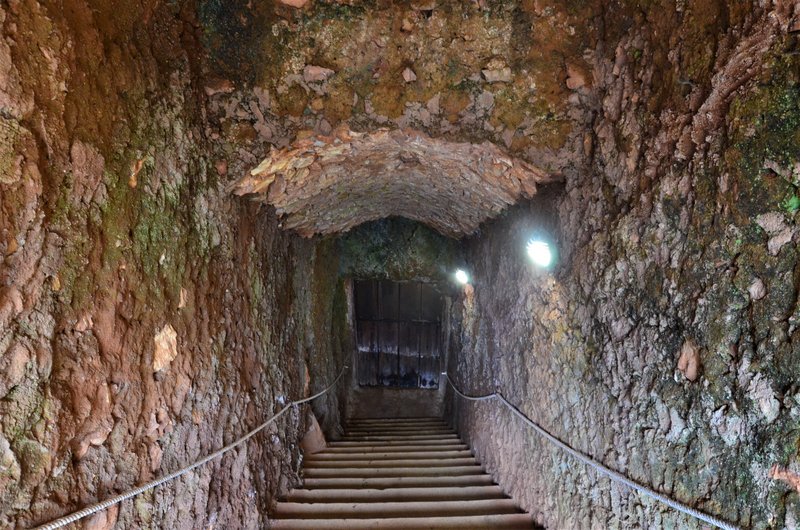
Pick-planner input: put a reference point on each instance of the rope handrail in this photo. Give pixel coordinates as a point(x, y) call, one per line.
point(103, 505)
point(614, 475)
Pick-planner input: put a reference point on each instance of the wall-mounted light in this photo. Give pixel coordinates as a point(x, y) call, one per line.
point(462, 277)
point(540, 253)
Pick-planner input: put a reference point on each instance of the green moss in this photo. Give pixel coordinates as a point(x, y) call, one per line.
point(766, 122)
point(34, 458)
point(143, 504)
point(327, 11)
point(147, 229)
point(76, 284)
point(232, 34)
point(9, 135)
point(765, 127)
point(791, 204)
point(398, 249)
point(26, 408)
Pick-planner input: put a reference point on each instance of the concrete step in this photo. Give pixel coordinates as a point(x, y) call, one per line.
point(473, 522)
point(395, 425)
point(398, 482)
point(325, 456)
point(398, 432)
point(392, 443)
point(393, 421)
point(396, 494)
point(350, 447)
point(400, 426)
point(383, 462)
point(300, 510)
point(386, 472)
point(397, 437)
point(397, 474)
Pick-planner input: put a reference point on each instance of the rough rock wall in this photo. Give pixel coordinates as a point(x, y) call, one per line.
point(146, 319)
point(474, 71)
point(328, 340)
point(399, 250)
point(666, 341)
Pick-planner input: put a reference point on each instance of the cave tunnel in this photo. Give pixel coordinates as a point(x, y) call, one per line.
point(399, 264)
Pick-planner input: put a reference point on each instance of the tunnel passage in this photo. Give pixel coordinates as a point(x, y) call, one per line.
point(149, 315)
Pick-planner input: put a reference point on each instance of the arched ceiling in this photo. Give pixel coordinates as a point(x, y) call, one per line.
point(327, 184)
point(495, 86)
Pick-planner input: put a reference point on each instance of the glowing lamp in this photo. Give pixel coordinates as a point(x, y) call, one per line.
point(462, 277)
point(539, 252)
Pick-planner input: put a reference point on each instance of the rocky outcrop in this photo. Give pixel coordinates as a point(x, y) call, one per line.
point(399, 250)
point(454, 72)
point(664, 342)
point(146, 319)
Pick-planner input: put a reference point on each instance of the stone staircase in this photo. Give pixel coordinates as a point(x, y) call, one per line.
point(397, 474)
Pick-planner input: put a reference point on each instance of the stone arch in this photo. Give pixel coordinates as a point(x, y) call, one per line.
point(326, 184)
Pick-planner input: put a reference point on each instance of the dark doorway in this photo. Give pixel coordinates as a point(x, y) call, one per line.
point(398, 328)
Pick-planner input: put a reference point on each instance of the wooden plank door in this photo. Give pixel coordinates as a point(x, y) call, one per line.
point(398, 333)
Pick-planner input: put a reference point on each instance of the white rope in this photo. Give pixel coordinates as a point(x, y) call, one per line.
point(103, 505)
point(614, 475)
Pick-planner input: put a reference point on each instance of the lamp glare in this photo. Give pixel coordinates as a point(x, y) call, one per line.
point(540, 253)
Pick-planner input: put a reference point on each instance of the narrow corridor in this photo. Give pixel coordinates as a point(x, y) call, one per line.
point(244, 242)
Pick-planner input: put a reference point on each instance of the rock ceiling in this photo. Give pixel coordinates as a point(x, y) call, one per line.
point(327, 184)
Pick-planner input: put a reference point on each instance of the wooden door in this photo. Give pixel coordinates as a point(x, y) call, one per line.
point(398, 329)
